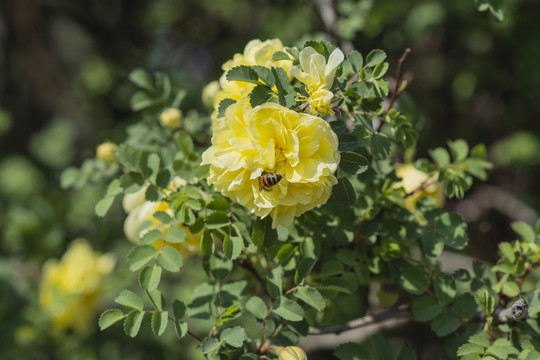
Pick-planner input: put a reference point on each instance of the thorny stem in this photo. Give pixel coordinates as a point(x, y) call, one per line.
point(259, 350)
point(395, 93)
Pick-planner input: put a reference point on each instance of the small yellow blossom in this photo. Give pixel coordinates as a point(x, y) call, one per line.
point(318, 77)
point(171, 118)
point(256, 52)
point(141, 219)
point(70, 288)
point(413, 179)
point(291, 353)
point(106, 152)
point(270, 138)
point(209, 94)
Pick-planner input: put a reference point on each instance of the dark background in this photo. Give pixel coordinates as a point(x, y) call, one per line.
point(64, 89)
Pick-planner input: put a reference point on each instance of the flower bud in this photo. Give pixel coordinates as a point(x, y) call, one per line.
point(105, 152)
point(171, 118)
point(209, 94)
point(291, 353)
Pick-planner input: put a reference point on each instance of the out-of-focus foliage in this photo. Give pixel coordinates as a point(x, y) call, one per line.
point(64, 89)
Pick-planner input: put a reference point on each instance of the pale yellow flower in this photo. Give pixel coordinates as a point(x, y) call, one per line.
point(106, 152)
point(413, 179)
point(270, 138)
point(256, 52)
point(291, 353)
point(141, 219)
point(318, 76)
point(70, 288)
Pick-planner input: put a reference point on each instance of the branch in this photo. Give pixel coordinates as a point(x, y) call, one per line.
point(395, 93)
point(400, 311)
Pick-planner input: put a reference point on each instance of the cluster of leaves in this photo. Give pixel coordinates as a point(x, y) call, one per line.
point(269, 286)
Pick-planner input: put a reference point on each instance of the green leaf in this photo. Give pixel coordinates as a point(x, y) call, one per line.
point(347, 142)
point(286, 253)
point(132, 182)
point(207, 243)
point(217, 220)
point(179, 309)
point(243, 73)
point(128, 156)
point(210, 345)
point(485, 300)
point(459, 149)
point(440, 156)
point(234, 336)
point(311, 297)
point(468, 349)
point(265, 75)
point(445, 287)
point(170, 259)
point(303, 270)
point(382, 347)
point(163, 178)
point(110, 317)
point(362, 273)
point(445, 324)
point(181, 329)
point(257, 307)
point(150, 236)
point(142, 79)
point(465, 306)
point(159, 322)
point(103, 205)
point(351, 351)
point(415, 279)
point(507, 251)
point(260, 94)
point(431, 244)
point(353, 163)
point(337, 284)
point(289, 310)
point(280, 55)
point(140, 256)
point(375, 57)
point(273, 281)
point(263, 233)
point(130, 299)
point(331, 268)
point(156, 298)
point(481, 339)
point(184, 142)
point(232, 247)
point(150, 276)
point(406, 353)
point(142, 100)
point(356, 60)
point(220, 204)
point(175, 235)
point(510, 289)
point(223, 105)
point(286, 94)
point(344, 193)
point(525, 232)
point(380, 146)
point(380, 70)
point(426, 308)
point(133, 321)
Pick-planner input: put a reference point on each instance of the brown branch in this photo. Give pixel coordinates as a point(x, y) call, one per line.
point(400, 311)
point(422, 186)
point(194, 336)
point(395, 93)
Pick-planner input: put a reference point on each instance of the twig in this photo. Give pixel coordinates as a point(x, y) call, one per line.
point(247, 265)
point(398, 79)
point(194, 336)
point(402, 310)
point(422, 186)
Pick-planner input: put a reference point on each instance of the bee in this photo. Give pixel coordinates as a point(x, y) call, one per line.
point(266, 181)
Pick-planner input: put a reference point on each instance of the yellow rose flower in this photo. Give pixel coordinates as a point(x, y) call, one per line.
point(270, 138)
point(291, 353)
point(413, 179)
point(141, 219)
point(256, 52)
point(70, 288)
point(106, 152)
point(318, 77)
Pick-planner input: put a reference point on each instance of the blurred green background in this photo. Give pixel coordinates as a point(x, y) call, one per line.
point(64, 89)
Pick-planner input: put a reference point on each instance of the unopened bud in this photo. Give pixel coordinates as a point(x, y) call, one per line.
point(171, 118)
point(105, 152)
point(209, 94)
point(291, 353)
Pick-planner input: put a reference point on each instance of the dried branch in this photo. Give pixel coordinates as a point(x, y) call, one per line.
point(396, 91)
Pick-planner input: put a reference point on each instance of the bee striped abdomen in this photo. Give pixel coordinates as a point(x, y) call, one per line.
point(266, 181)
